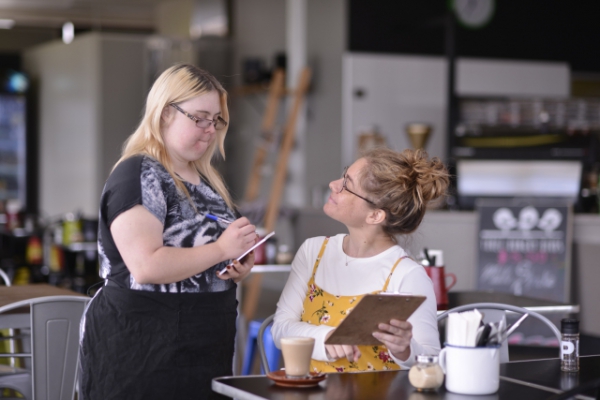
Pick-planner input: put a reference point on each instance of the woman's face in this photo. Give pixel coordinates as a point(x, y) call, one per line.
point(185, 141)
point(344, 204)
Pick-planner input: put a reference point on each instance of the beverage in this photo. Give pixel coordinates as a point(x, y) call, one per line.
point(297, 352)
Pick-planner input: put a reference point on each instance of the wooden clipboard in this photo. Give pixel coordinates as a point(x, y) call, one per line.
point(358, 326)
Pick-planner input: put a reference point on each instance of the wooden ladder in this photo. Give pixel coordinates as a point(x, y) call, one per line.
point(253, 285)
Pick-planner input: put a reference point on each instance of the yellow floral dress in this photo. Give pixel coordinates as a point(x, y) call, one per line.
point(323, 308)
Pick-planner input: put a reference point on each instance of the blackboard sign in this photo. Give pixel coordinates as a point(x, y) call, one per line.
point(525, 247)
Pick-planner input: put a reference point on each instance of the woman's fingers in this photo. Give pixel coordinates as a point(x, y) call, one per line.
point(239, 236)
point(396, 335)
point(336, 351)
point(239, 270)
point(397, 328)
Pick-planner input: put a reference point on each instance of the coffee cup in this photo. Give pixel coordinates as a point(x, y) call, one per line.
point(471, 370)
point(297, 353)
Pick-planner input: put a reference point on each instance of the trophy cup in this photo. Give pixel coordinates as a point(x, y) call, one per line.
point(418, 133)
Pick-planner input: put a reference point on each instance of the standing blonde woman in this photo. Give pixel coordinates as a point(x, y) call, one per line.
point(163, 325)
point(380, 196)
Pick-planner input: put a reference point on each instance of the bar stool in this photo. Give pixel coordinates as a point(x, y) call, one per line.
point(273, 353)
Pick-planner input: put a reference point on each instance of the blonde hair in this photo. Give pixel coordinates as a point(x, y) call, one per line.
point(402, 184)
point(175, 85)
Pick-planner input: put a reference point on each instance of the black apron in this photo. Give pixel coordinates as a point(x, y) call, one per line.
point(146, 345)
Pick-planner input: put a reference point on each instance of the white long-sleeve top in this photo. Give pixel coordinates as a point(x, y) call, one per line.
point(360, 276)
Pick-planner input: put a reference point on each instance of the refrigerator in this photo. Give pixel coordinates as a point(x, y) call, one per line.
point(13, 137)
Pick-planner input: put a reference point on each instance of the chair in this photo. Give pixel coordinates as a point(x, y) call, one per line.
point(53, 322)
point(5, 277)
point(503, 307)
point(269, 353)
point(7, 282)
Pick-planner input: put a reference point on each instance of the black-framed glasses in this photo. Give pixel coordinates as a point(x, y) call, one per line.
point(344, 187)
point(218, 123)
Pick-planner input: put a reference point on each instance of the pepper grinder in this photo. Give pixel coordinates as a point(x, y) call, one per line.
point(569, 345)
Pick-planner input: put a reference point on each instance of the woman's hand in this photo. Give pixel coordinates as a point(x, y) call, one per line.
point(337, 351)
point(239, 236)
point(396, 337)
point(238, 270)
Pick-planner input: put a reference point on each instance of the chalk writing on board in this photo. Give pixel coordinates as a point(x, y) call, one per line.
point(523, 250)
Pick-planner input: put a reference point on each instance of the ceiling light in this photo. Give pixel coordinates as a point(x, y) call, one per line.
point(7, 23)
point(68, 32)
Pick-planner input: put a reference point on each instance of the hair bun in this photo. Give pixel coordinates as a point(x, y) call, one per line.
point(404, 183)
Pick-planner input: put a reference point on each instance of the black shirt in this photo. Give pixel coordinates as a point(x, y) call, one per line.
point(143, 180)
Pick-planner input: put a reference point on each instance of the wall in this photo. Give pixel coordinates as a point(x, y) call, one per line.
point(259, 31)
point(399, 89)
point(68, 89)
point(123, 96)
point(326, 46)
point(90, 99)
point(16, 39)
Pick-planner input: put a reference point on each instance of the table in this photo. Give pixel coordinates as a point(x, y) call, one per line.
point(360, 386)
point(12, 294)
point(526, 380)
point(546, 374)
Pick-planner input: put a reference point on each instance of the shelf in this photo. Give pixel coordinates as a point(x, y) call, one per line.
point(521, 153)
point(82, 246)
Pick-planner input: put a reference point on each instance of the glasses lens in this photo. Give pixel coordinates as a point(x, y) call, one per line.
point(343, 180)
point(203, 123)
point(220, 123)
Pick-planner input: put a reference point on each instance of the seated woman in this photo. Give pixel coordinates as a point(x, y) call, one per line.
point(382, 195)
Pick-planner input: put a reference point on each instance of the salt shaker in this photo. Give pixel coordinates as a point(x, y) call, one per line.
point(569, 345)
point(426, 374)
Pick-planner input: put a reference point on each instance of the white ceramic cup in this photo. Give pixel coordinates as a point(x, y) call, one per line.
point(297, 352)
point(471, 370)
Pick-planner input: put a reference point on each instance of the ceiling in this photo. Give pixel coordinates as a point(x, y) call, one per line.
point(127, 14)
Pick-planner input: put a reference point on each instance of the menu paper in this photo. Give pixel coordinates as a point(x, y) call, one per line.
point(462, 328)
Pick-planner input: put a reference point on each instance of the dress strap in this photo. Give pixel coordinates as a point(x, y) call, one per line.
point(387, 281)
point(318, 260)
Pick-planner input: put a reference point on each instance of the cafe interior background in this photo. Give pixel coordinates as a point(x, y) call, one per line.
point(509, 97)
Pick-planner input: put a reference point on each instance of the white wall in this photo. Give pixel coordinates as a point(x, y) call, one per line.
point(326, 46)
point(400, 89)
point(90, 99)
point(68, 87)
point(259, 31)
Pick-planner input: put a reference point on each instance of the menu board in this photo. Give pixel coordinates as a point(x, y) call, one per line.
point(525, 247)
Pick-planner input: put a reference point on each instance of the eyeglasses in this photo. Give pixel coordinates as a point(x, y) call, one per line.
point(344, 187)
point(219, 123)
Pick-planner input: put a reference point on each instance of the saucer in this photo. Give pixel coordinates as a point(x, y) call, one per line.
point(281, 380)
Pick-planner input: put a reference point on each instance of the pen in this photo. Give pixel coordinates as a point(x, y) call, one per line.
point(215, 218)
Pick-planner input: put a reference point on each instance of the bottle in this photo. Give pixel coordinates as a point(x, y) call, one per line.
point(284, 256)
point(426, 374)
point(271, 250)
point(569, 345)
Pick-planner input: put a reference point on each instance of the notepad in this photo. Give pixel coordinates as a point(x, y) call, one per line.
point(249, 250)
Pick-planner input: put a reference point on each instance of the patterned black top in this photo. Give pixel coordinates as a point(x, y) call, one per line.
point(143, 180)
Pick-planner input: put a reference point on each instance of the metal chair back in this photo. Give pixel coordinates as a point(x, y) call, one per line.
point(503, 307)
point(54, 322)
point(261, 346)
